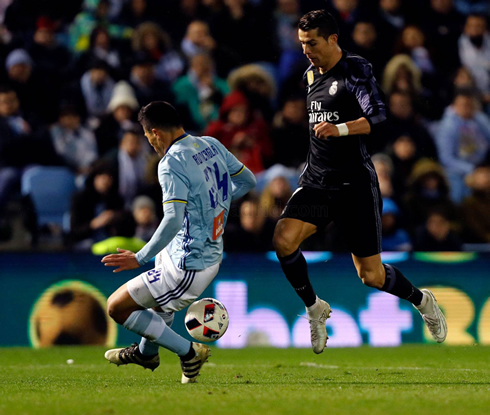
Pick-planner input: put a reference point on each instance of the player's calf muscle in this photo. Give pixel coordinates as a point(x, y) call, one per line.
point(372, 278)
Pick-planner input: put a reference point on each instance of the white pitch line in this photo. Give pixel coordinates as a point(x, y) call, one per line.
point(316, 365)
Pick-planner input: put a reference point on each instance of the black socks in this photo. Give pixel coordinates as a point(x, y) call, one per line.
point(398, 285)
point(294, 266)
point(190, 355)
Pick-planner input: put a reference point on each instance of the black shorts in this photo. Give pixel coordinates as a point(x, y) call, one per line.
point(355, 210)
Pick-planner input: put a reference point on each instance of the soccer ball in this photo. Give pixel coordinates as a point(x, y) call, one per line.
point(206, 320)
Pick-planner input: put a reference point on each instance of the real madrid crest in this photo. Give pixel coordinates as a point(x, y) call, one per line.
point(333, 88)
point(310, 77)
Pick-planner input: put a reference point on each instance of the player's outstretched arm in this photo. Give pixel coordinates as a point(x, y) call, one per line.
point(242, 182)
point(166, 231)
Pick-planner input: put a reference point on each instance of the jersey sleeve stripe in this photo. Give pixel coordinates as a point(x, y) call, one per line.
point(238, 172)
point(174, 201)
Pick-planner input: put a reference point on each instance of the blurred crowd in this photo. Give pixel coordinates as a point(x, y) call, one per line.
point(73, 75)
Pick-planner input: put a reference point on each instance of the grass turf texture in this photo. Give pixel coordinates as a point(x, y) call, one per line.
point(411, 380)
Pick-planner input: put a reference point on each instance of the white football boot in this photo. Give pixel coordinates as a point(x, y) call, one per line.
point(128, 355)
point(191, 368)
point(433, 317)
point(318, 331)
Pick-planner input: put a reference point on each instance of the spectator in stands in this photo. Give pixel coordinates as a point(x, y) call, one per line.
point(404, 155)
point(145, 217)
point(404, 120)
point(436, 234)
point(240, 27)
point(463, 140)
point(475, 208)
point(73, 142)
point(96, 86)
point(95, 208)
point(93, 14)
point(474, 52)
point(286, 17)
point(36, 100)
point(384, 170)
point(412, 42)
point(463, 79)
point(365, 43)
point(443, 24)
point(394, 238)
point(290, 133)
point(254, 232)
point(275, 197)
point(402, 75)
point(428, 191)
point(144, 82)
point(52, 61)
point(201, 91)
point(15, 151)
point(136, 12)
point(258, 86)
point(242, 131)
point(129, 165)
point(101, 47)
point(346, 13)
point(120, 117)
point(50, 58)
point(150, 40)
point(391, 21)
point(198, 40)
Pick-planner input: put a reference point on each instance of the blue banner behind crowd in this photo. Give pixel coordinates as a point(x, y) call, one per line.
point(50, 299)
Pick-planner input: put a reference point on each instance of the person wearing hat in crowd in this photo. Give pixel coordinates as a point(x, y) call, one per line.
point(52, 60)
point(395, 238)
point(36, 100)
point(119, 118)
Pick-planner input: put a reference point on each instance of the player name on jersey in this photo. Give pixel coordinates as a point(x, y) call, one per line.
point(205, 155)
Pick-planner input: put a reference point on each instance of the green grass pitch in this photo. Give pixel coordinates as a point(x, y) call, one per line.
point(413, 380)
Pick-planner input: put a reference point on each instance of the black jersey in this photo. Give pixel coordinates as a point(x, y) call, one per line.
point(345, 93)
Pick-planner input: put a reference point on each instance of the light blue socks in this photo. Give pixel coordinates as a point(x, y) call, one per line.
point(150, 325)
point(149, 348)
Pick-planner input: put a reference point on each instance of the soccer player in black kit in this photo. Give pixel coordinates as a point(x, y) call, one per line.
point(345, 108)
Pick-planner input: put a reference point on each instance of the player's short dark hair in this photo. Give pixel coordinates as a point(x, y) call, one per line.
point(321, 20)
point(159, 114)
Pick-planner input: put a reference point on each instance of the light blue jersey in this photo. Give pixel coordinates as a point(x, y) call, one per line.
point(198, 172)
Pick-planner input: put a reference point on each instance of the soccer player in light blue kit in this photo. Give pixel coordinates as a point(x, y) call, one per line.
point(199, 179)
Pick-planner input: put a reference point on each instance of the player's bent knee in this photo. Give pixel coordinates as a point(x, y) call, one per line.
point(283, 245)
point(371, 278)
point(114, 311)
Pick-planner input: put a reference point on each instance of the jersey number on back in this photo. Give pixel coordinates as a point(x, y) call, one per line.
point(220, 183)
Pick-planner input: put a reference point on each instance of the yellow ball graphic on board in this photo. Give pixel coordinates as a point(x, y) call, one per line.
point(71, 313)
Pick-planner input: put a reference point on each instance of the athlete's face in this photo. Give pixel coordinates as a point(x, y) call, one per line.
point(155, 141)
point(317, 49)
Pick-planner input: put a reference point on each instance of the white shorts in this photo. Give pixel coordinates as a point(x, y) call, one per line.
point(169, 287)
